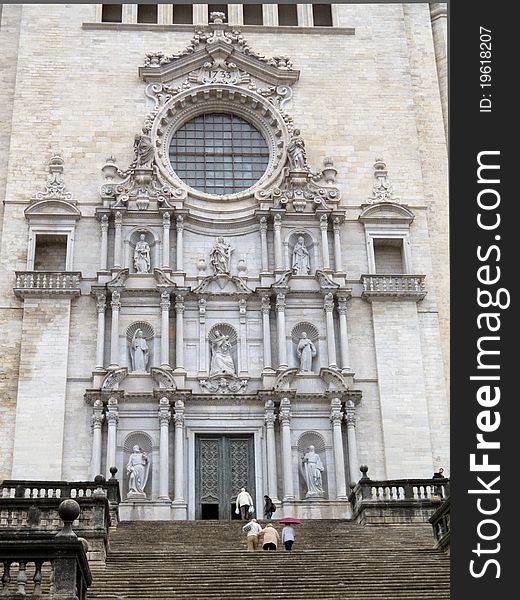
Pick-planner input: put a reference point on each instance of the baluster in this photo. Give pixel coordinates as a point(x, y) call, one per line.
point(37, 578)
point(21, 579)
point(31, 281)
point(6, 577)
point(65, 281)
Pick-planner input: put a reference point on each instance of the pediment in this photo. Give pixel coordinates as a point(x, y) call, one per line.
point(58, 209)
point(386, 212)
point(222, 284)
point(223, 53)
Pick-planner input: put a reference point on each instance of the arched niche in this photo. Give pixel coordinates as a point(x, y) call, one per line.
point(307, 439)
point(133, 238)
point(312, 334)
point(144, 441)
point(148, 334)
point(214, 334)
point(292, 240)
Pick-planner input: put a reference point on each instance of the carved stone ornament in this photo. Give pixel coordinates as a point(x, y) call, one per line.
point(382, 190)
point(224, 284)
point(113, 378)
point(164, 378)
point(55, 187)
point(224, 384)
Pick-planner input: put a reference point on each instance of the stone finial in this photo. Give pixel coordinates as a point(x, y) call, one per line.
point(99, 480)
point(109, 169)
point(382, 190)
point(113, 471)
point(217, 17)
point(329, 172)
point(364, 471)
point(69, 511)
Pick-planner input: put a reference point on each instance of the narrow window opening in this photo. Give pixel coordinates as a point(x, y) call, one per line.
point(253, 14)
point(183, 14)
point(287, 14)
point(223, 8)
point(322, 15)
point(112, 13)
point(147, 13)
point(388, 256)
point(50, 253)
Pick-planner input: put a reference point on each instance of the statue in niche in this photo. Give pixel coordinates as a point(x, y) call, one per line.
point(143, 149)
point(296, 152)
point(142, 255)
point(312, 470)
point(140, 352)
point(301, 263)
point(137, 468)
point(221, 359)
point(220, 256)
point(305, 351)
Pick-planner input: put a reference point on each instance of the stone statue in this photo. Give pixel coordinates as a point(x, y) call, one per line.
point(143, 149)
point(305, 351)
point(137, 468)
point(221, 359)
point(139, 352)
point(220, 256)
point(312, 470)
point(301, 264)
point(142, 255)
point(296, 152)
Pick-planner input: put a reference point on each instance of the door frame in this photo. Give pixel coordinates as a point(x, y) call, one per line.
point(256, 430)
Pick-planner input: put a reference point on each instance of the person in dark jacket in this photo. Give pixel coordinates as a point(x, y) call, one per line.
point(269, 507)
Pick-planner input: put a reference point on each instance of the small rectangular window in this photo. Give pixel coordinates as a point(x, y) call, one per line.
point(147, 13)
point(223, 8)
point(112, 13)
point(287, 14)
point(322, 15)
point(388, 256)
point(253, 14)
point(183, 14)
point(50, 252)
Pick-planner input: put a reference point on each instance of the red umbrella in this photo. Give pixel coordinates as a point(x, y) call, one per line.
point(292, 520)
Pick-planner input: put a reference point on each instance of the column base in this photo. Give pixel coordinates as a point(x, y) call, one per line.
point(164, 499)
point(179, 510)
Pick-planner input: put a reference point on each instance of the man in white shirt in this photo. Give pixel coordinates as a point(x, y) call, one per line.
point(244, 501)
point(252, 529)
point(288, 537)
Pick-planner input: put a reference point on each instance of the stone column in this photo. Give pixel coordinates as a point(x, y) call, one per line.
point(166, 240)
point(272, 477)
point(353, 462)
point(270, 14)
point(164, 469)
point(285, 419)
point(280, 322)
point(328, 307)
point(338, 262)
point(200, 14)
point(178, 486)
point(118, 239)
point(112, 420)
point(202, 335)
point(263, 244)
point(242, 311)
point(104, 243)
point(266, 332)
point(336, 417)
point(179, 334)
point(100, 343)
point(278, 259)
point(165, 329)
point(96, 422)
point(180, 243)
point(343, 334)
point(115, 304)
point(324, 225)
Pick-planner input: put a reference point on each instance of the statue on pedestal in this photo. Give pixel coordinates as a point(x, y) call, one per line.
point(143, 149)
point(305, 351)
point(220, 256)
point(296, 152)
point(221, 359)
point(137, 468)
point(301, 264)
point(312, 470)
point(139, 352)
point(142, 255)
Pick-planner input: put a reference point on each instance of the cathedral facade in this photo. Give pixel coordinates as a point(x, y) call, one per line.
point(224, 252)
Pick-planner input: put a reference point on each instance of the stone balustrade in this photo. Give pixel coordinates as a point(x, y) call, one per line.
point(396, 500)
point(440, 521)
point(47, 283)
point(405, 286)
point(18, 488)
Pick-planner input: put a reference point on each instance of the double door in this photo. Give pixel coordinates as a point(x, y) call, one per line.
point(223, 465)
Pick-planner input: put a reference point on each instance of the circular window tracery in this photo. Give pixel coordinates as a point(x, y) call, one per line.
point(219, 153)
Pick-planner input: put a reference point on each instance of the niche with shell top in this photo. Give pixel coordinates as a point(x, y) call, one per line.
point(307, 439)
point(304, 261)
point(312, 334)
point(141, 262)
point(224, 329)
point(148, 335)
point(144, 441)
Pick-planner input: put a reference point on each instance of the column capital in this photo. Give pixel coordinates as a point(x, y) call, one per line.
point(178, 416)
point(342, 306)
point(265, 305)
point(165, 300)
point(324, 222)
point(285, 411)
point(280, 302)
point(336, 414)
point(101, 304)
point(277, 222)
point(104, 223)
point(269, 417)
point(97, 415)
point(180, 222)
point(118, 218)
point(263, 224)
point(328, 302)
point(350, 413)
point(164, 412)
point(336, 224)
point(112, 415)
point(166, 219)
point(179, 303)
point(115, 302)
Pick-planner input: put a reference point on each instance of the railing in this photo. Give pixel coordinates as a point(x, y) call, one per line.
point(397, 490)
point(440, 521)
point(47, 282)
point(412, 286)
point(59, 489)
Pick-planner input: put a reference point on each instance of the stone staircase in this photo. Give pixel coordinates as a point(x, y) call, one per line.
point(331, 560)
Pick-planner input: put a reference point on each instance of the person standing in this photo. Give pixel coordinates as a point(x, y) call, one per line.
point(243, 502)
point(252, 529)
point(288, 537)
point(271, 537)
point(269, 507)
